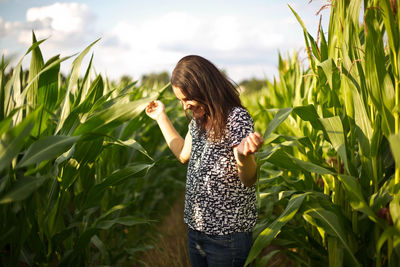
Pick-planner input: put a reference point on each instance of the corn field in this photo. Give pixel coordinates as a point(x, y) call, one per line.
point(329, 171)
point(76, 186)
point(84, 174)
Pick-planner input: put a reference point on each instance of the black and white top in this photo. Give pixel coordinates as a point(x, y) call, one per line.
point(217, 202)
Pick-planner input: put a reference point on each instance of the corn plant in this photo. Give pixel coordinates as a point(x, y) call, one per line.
point(329, 172)
point(77, 185)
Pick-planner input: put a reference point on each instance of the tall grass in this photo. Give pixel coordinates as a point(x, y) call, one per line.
point(77, 183)
point(329, 173)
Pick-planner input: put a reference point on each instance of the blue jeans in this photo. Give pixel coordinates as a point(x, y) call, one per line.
point(218, 250)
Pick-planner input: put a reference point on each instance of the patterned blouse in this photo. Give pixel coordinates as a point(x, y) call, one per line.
point(217, 202)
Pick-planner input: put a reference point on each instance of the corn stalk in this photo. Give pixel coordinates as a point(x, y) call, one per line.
point(339, 144)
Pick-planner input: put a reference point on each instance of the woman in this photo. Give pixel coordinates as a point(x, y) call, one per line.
point(220, 204)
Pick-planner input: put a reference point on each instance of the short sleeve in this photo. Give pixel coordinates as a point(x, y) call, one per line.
point(191, 127)
point(239, 125)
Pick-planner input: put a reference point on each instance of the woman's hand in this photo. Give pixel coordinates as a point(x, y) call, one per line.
point(155, 109)
point(250, 144)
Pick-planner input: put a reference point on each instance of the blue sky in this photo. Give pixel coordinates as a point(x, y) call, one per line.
point(138, 37)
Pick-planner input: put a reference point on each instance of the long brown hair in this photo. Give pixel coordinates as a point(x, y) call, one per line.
point(202, 81)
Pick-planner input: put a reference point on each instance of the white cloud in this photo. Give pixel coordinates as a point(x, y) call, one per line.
point(67, 24)
point(240, 45)
point(61, 17)
point(244, 46)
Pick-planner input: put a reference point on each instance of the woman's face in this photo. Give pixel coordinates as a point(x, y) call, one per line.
point(195, 107)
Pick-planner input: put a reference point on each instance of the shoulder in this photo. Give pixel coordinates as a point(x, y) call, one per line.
point(192, 126)
point(238, 114)
point(239, 125)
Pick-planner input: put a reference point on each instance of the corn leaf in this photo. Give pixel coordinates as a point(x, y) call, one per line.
point(114, 179)
point(132, 144)
point(72, 85)
point(22, 189)
point(37, 64)
point(47, 148)
point(334, 129)
point(128, 221)
point(332, 223)
point(392, 32)
point(282, 159)
point(356, 198)
point(394, 141)
point(388, 233)
point(14, 139)
point(105, 120)
point(375, 70)
point(311, 167)
point(309, 113)
point(280, 116)
point(266, 236)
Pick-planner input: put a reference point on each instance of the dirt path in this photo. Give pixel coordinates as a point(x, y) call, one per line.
point(171, 241)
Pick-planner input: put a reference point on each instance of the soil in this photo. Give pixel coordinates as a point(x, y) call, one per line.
point(170, 241)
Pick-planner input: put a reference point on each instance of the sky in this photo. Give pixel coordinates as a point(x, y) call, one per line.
point(242, 37)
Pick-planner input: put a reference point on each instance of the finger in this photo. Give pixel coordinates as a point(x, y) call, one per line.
point(252, 146)
point(149, 106)
point(258, 140)
point(257, 134)
point(253, 140)
point(245, 148)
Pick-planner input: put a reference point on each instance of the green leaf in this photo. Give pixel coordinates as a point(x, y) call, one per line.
point(314, 47)
point(114, 179)
point(332, 224)
point(394, 141)
point(46, 68)
point(331, 72)
point(309, 113)
point(100, 245)
point(266, 236)
point(280, 116)
point(394, 207)
point(334, 128)
point(88, 150)
point(356, 198)
point(112, 210)
point(311, 167)
point(107, 119)
point(306, 34)
point(375, 69)
point(265, 259)
point(13, 140)
point(72, 85)
point(47, 148)
point(281, 159)
point(323, 45)
point(128, 221)
point(131, 144)
point(389, 232)
point(36, 66)
point(22, 189)
point(390, 26)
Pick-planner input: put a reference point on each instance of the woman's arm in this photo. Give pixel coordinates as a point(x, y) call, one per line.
point(179, 146)
point(244, 155)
